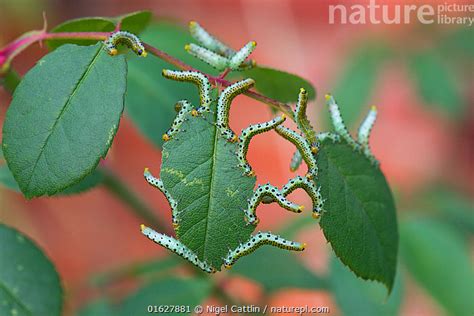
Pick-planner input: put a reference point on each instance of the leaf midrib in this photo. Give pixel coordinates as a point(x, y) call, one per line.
point(68, 102)
point(216, 138)
point(360, 203)
point(16, 298)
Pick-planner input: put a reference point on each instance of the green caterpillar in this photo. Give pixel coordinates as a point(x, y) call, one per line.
point(126, 38)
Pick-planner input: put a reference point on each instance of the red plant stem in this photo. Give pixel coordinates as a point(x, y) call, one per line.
point(21, 43)
point(168, 58)
point(79, 35)
point(224, 73)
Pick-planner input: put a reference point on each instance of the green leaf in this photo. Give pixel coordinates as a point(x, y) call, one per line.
point(29, 284)
point(60, 123)
point(80, 25)
point(10, 80)
point(99, 307)
point(135, 22)
point(436, 83)
point(209, 188)
point(90, 181)
point(438, 258)
point(167, 292)
point(356, 83)
point(279, 85)
point(359, 219)
point(285, 271)
point(357, 297)
point(150, 97)
point(7, 180)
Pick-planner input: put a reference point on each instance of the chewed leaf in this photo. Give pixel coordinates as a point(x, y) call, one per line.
point(359, 219)
point(210, 189)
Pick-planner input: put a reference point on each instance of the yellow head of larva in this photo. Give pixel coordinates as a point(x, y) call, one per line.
point(373, 108)
point(142, 227)
point(192, 24)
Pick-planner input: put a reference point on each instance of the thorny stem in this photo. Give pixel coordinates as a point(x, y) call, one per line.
point(12, 49)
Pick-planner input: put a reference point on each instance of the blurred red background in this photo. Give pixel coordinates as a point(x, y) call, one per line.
point(416, 144)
